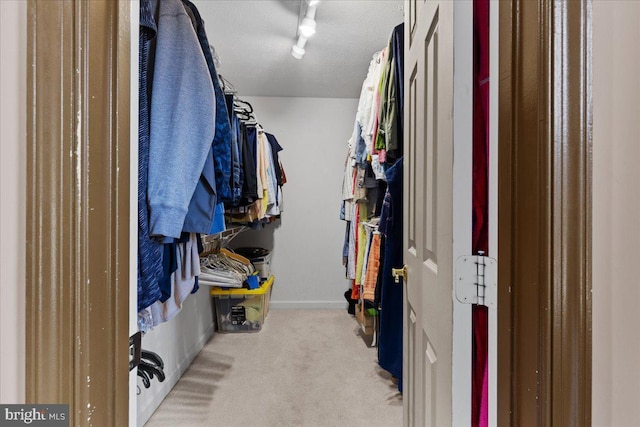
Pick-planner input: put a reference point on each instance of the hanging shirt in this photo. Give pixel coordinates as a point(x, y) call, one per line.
point(261, 175)
point(272, 181)
point(389, 136)
point(361, 240)
point(366, 106)
point(372, 130)
point(347, 181)
point(379, 137)
point(367, 252)
point(275, 150)
point(181, 120)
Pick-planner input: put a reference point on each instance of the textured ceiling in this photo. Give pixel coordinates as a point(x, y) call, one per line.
point(254, 37)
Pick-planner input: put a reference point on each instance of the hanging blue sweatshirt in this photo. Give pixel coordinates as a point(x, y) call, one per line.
point(182, 119)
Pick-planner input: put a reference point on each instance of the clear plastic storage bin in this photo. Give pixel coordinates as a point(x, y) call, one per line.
point(260, 258)
point(242, 310)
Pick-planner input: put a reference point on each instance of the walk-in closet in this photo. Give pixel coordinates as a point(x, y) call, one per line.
point(282, 119)
point(287, 212)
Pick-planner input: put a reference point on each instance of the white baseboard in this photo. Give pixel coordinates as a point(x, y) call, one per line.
point(307, 305)
point(162, 389)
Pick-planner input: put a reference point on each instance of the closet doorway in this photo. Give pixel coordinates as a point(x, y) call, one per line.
point(60, 325)
point(309, 105)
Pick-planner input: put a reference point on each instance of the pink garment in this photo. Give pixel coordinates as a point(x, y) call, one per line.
point(382, 156)
point(480, 236)
point(480, 319)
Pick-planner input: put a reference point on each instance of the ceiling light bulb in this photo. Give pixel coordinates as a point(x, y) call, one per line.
point(313, 2)
point(297, 52)
point(307, 27)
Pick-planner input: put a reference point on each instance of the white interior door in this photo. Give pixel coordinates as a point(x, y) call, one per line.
point(428, 208)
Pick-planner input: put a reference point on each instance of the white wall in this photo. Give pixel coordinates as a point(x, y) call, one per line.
point(307, 243)
point(616, 213)
point(178, 342)
point(13, 159)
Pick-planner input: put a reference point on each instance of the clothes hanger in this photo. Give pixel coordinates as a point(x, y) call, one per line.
point(241, 105)
point(227, 86)
point(150, 371)
point(151, 365)
point(153, 357)
point(146, 381)
point(243, 115)
point(235, 256)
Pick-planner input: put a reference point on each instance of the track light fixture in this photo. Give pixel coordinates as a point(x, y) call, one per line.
point(306, 28)
point(297, 51)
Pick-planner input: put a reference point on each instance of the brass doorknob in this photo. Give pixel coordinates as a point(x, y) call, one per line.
point(399, 272)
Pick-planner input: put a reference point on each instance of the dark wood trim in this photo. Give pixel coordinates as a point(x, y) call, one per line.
point(544, 212)
point(507, 38)
point(78, 208)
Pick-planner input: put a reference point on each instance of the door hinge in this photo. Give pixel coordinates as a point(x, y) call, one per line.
point(477, 280)
point(135, 350)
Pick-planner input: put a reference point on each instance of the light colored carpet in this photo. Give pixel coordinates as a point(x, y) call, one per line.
point(305, 368)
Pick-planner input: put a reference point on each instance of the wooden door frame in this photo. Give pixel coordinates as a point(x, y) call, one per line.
point(77, 278)
point(544, 213)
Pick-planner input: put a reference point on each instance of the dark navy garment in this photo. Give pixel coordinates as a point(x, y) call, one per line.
point(250, 184)
point(222, 139)
point(169, 266)
point(275, 149)
point(398, 54)
point(235, 182)
point(252, 133)
point(235, 123)
point(196, 286)
point(149, 250)
point(228, 97)
point(391, 295)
